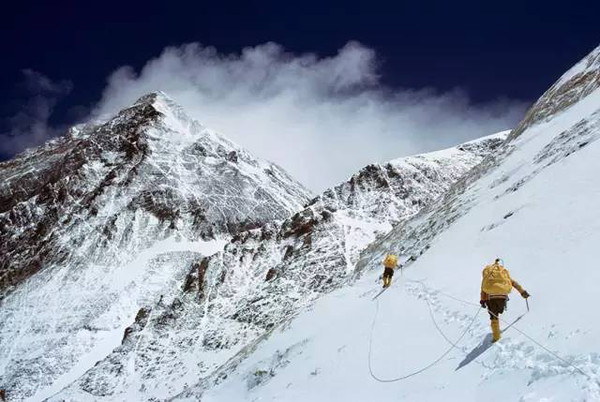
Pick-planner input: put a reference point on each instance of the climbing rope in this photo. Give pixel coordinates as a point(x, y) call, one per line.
point(431, 315)
point(511, 325)
point(421, 370)
point(454, 345)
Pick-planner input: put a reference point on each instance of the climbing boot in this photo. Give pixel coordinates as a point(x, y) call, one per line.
point(495, 330)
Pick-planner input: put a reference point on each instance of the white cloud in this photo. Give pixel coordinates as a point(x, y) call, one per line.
point(30, 126)
point(322, 119)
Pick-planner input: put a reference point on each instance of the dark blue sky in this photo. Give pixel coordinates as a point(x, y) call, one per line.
point(512, 49)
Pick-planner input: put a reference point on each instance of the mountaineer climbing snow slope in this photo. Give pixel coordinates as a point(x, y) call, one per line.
point(233, 300)
point(535, 203)
point(126, 295)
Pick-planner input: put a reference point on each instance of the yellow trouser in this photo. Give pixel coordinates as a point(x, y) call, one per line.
point(495, 329)
point(387, 280)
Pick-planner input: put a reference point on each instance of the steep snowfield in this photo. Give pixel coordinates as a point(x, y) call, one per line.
point(264, 276)
point(535, 204)
point(107, 220)
point(138, 304)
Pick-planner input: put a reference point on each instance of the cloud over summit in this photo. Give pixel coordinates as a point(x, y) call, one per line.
point(321, 118)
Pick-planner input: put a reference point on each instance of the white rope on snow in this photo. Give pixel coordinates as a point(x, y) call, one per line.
point(455, 344)
point(421, 370)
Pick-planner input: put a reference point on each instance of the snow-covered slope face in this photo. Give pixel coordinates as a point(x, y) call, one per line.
point(401, 187)
point(577, 83)
point(535, 204)
point(107, 219)
point(233, 300)
point(379, 196)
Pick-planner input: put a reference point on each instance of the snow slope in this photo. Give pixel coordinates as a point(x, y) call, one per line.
point(265, 276)
point(107, 220)
point(285, 311)
point(535, 204)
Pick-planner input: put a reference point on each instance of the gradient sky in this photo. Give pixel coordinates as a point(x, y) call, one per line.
point(491, 50)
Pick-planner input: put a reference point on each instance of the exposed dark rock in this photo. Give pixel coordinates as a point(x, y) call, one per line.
point(289, 251)
point(232, 157)
point(141, 319)
point(271, 274)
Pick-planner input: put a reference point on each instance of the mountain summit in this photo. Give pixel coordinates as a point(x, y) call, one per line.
point(146, 173)
point(106, 219)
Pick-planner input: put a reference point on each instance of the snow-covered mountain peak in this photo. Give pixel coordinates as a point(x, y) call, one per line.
point(480, 146)
point(150, 157)
point(394, 190)
point(109, 218)
point(173, 129)
point(172, 115)
point(155, 97)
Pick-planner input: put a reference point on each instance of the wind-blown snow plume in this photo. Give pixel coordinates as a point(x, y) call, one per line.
point(321, 118)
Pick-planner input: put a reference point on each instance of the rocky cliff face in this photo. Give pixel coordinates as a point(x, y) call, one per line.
point(108, 218)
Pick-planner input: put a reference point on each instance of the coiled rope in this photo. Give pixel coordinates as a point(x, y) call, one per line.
point(421, 370)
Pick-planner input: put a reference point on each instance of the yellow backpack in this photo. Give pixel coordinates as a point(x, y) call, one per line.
point(390, 261)
point(496, 280)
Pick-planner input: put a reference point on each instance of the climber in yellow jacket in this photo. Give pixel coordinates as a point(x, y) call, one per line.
point(390, 264)
point(495, 287)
